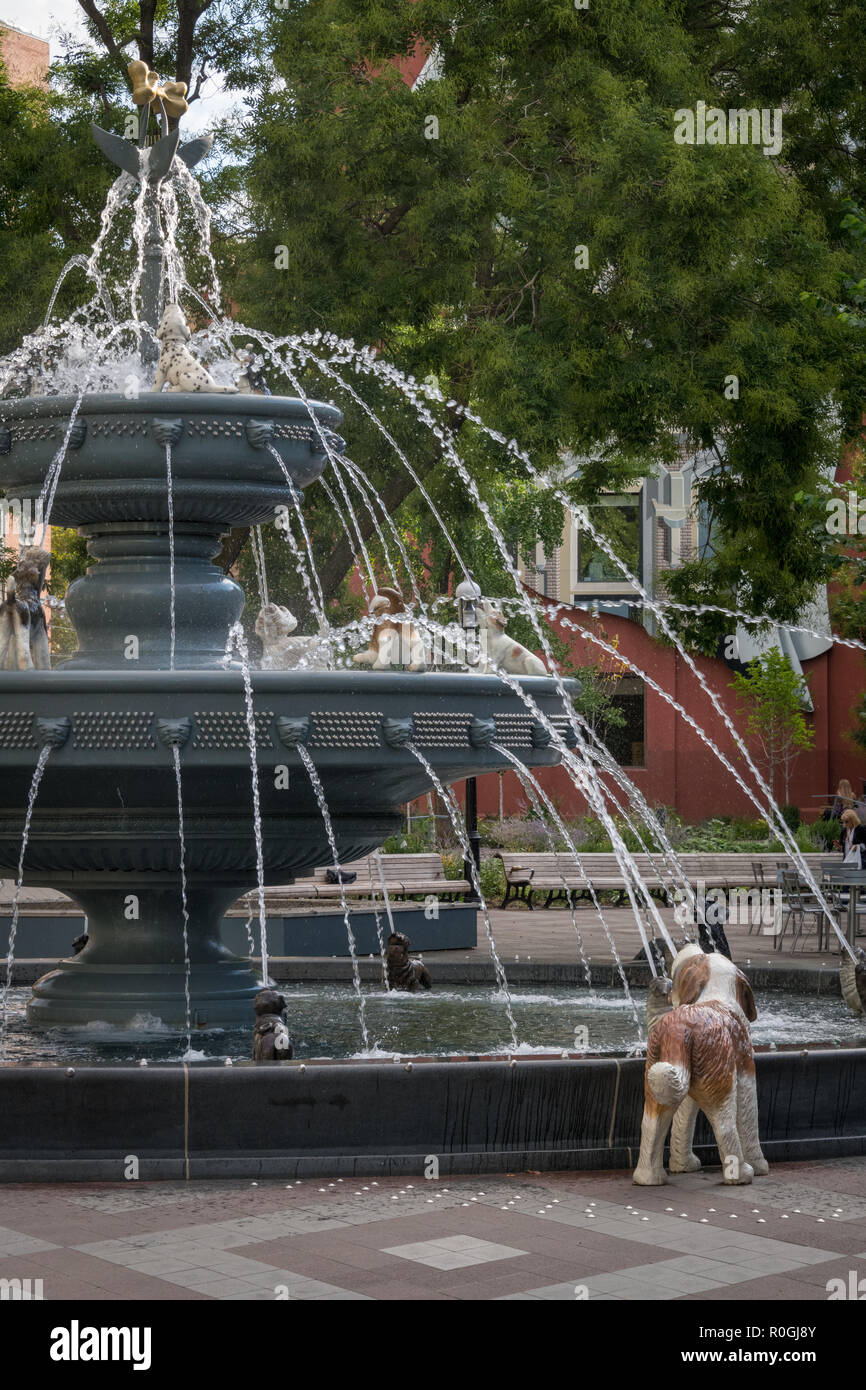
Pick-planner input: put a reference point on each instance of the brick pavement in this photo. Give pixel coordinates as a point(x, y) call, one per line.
point(524, 1236)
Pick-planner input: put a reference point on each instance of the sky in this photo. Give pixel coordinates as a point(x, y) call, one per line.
point(45, 17)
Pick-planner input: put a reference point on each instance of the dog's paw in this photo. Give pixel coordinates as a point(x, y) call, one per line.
point(760, 1167)
point(649, 1177)
point(690, 1164)
point(744, 1174)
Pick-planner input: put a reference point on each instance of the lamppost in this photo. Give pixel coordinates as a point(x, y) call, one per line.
point(467, 594)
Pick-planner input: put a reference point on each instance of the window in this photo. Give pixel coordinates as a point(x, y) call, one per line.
point(617, 517)
point(626, 741)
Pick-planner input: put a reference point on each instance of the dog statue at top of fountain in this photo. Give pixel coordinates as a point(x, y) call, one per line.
point(271, 1041)
point(176, 364)
point(403, 972)
point(699, 1057)
point(501, 652)
point(394, 637)
point(274, 628)
point(23, 629)
point(283, 652)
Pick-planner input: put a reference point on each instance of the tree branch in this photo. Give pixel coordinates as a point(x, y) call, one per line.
point(189, 12)
point(103, 29)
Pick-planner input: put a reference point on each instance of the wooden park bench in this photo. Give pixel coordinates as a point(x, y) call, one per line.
point(558, 875)
point(405, 875)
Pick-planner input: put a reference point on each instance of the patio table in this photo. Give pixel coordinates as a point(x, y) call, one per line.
point(853, 880)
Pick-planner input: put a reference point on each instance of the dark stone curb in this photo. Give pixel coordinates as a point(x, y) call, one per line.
point(473, 1117)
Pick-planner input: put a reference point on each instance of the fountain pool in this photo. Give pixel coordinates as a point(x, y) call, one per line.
point(460, 1020)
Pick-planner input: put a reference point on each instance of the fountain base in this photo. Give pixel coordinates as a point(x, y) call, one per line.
point(131, 975)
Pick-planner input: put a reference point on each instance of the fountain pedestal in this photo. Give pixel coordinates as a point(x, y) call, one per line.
point(131, 973)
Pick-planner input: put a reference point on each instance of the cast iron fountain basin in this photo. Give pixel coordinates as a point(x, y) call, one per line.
point(113, 486)
point(105, 824)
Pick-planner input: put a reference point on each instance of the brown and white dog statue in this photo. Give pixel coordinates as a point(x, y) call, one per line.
point(699, 1057)
point(23, 629)
point(395, 636)
point(176, 364)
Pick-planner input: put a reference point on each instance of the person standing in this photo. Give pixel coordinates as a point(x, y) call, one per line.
point(844, 800)
point(853, 839)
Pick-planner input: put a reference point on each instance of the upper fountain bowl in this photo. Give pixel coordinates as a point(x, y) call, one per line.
point(224, 469)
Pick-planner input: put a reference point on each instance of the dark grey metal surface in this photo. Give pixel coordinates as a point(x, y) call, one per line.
point(105, 825)
point(206, 1121)
point(105, 828)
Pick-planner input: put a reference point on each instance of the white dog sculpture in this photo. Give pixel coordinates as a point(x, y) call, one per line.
point(283, 652)
point(23, 630)
point(176, 365)
point(392, 640)
point(699, 1057)
point(501, 652)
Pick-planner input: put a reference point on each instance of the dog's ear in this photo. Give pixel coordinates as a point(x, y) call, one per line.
point(691, 980)
point(496, 619)
point(395, 599)
point(745, 997)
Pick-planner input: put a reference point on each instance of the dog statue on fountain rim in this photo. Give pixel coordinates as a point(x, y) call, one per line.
point(176, 364)
point(501, 652)
point(23, 629)
point(699, 1057)
point(271, 1041)
point(392, 639)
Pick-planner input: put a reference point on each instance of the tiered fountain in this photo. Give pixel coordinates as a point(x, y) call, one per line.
point(154, 781)
point(150, 677)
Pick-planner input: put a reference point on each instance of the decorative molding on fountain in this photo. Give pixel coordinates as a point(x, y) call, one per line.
point(174, 733)
point(320, 444)
point(168, 430)
point(77, 434)
point(398, 733)
point(482, 732)
point(260, 432)
point(229, 729)
point(540, 736)
point(292, 732)
point(52, 733)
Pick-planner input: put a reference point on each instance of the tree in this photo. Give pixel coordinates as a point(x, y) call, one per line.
point(774, 694)
point(526, 229)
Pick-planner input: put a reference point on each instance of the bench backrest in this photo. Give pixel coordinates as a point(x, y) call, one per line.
point(396, 868)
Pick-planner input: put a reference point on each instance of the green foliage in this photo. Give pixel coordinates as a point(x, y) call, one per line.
point(456, 255)
point(69, 559)
point(774, 695)
point(53, 183)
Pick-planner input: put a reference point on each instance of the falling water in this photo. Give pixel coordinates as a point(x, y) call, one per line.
point(172, 595)
point(44, 755)
point(531, 791)
point(317, 608)
point(316, 783)
point(175, 753)
point(237, 639)
point(532, 785)
point(460, 831)
point(378, 916)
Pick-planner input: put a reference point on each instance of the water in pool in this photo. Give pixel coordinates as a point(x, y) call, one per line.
point(460, 1020)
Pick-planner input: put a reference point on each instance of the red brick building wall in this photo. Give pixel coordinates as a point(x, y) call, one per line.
point(26, 57)
point(680, 769)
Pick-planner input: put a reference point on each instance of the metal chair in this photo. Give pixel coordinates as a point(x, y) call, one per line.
point(803, 908)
